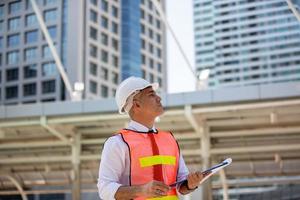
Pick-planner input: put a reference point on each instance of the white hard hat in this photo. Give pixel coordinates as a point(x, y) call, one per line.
point(128, 89)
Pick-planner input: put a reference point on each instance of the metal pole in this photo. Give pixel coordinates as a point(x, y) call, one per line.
point(18, 186)
point(75, 173)
point(164, 19)
point(224, 184)
point(206, 163)
point(293, 9)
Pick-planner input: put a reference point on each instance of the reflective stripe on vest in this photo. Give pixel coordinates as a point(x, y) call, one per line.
point(143, 162)
point(156, 160)
point(165, 198)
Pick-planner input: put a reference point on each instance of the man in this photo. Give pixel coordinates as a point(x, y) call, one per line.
point(141, 162)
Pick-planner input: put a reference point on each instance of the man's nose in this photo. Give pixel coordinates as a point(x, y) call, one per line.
point(158, 98)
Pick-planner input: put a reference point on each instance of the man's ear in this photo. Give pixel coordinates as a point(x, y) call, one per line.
point(136, 103)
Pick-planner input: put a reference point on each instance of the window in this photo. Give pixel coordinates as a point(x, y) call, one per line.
point(143, 59)
point(114, 28)
point(11, 92)
point(93, 87)
point(104, 91)
point(50, 15)
point(14, 24)
point(115, 61)
point(1, 42)
point(13, 40)
point(115, 11)
point(115, 44)
point(49, 69)
point(142, 28)
point(150, 18)
point(94, 2)
point(93, 33)
point(1, 26)
point(115, 78)
point(12, 57)
point(104, 5)
point(93, 69)
point(104, 56)
point(12, 74)
point(93, 16)
point(158, 38)
point(48, 86)
point(151, 48)
point(143, 44)
point(30, 54)
point(151, 33)
point(143, 74)
point(31, 37)
point(14, 7)
point(104, 73)
point(159, 67)
point(104, 38)
point(2, 11)
point(48, 100)
point(29, 89)
point(31, 20)
point(50, 2)
point(46, 52)
point(93, 51)
point(30, 71)
point(159, 81)
point(52, 31)
point(157, 24)
point(104, 22)
point(151, 63)
point(151, 78)
point(158, 52)
point(150, 5)
point(142, 14)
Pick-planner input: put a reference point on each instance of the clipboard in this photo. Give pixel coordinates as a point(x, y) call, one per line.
point(211, 171)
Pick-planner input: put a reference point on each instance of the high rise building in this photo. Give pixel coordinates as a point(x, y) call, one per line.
point(100, 43)
point(246, 42)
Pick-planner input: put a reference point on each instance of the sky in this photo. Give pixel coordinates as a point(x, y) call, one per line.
point(180, 16)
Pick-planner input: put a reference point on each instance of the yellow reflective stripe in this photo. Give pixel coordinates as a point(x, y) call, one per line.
point(165, 198)
point(156, 160)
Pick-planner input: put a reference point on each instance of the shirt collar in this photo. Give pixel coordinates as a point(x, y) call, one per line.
point(136, 126)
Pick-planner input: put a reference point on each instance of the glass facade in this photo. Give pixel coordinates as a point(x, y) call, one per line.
point(11, 92)
point(30, 71)
point(13, 40)
point(49, 69)
point(13, 57)
point(30, 54)
point(31, 36)
point(50, 15)
point(14, 7)
point(14, 24)
point(31, 20)
point(131, 58)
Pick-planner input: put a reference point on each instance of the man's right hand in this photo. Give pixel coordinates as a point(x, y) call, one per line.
point(154, 189)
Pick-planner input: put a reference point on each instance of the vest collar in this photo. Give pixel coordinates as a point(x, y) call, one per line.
point(138, 127)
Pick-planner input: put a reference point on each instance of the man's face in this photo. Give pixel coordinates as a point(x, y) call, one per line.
point(149, 103)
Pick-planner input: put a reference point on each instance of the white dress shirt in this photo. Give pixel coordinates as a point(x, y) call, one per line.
point(115, 164)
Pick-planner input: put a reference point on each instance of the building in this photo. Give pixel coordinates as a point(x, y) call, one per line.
point(100, 43)
point(246, 42)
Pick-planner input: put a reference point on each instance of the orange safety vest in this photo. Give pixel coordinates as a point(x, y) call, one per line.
point(142, 160)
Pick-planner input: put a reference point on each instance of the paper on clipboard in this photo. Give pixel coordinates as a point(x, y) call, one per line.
point(211, 171)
